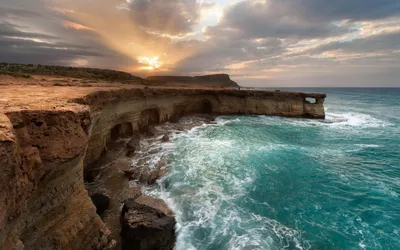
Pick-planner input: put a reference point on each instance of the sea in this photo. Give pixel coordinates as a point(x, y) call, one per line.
point(258, 182)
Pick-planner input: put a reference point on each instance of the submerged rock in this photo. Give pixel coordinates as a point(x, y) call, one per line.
point(146, 227)
point(154, 151)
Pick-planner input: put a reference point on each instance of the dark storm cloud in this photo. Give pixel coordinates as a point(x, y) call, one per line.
point(12, 12)
point(329, 10)
point(24, 47)
point(301, 18)
point(11, 30)
point(378, 43)
point(260, 20)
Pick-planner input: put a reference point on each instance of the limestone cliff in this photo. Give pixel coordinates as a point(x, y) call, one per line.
point(49, 135)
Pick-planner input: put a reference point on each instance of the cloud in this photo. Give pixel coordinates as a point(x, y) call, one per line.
point(298, 42)
point(262, 19)
point(384, 43)
point(258, 42)
point(171, 17)
point(27, 37)
point(354, 10)
point(76, 26)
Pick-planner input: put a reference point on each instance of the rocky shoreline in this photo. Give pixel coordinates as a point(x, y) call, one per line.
point(140, 161)
point(53, 138)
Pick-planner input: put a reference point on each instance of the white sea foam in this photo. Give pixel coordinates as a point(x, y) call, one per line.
point(333, 119)
point(353, 119)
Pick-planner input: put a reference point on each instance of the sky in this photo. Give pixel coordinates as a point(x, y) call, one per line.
point(263, 43)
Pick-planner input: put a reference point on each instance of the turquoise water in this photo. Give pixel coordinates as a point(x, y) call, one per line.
point(275, 183)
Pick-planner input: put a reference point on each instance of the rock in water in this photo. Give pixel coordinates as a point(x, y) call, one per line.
point(101, 202)
point(165, 138)
point(145, 228)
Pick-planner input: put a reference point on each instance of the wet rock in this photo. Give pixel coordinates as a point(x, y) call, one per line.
point(165, 138)
point(154, 203)
point(154, 151)
point(162, 163)
point(101, 202)
point(146, 227)
point(155, 175)
point(134, 143)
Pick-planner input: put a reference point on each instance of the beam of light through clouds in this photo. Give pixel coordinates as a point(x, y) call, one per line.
point(257, 42)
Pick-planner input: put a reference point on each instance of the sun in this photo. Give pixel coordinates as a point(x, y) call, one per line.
point(151, 63)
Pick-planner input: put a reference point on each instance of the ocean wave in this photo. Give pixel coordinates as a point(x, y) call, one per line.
point(354, 120)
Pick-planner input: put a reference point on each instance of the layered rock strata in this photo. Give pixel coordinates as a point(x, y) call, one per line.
point(147, 224)
point(46, 146)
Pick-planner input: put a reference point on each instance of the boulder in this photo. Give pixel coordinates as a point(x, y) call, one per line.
point(165, 138)
point(101, 202)
point(145, 227)
point(154, 203)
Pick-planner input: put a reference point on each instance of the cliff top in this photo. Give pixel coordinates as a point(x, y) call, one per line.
point(40, 87)
point(27, 70)
point(93, 74)
point(62, 93)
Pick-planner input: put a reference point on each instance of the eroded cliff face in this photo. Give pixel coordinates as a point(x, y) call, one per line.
point(44, 153)
point(44, 202)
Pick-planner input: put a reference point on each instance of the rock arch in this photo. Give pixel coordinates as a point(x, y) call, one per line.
point(121, 130)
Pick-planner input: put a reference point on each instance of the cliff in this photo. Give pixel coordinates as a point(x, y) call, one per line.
point(50, 135)
point(218, 80)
